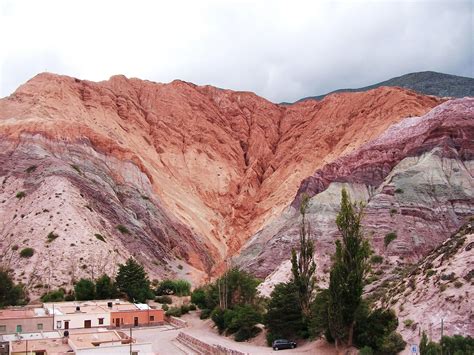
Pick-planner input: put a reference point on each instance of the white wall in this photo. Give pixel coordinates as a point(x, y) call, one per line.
point(76, 320)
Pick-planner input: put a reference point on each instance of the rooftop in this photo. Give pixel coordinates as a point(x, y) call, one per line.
point(50, 346)
point(22, 313)
point(88, 340)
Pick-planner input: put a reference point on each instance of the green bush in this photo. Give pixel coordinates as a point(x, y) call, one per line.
point(392, 344)
point(376, 259)
point(100, 237)
point(389, 237)
point(52, 236)
point(164, 299)
point(105, 288)
point(174, 287)
point(53, 296)
point(20, 194)
point(217, 317)
point(174, 312)
point(27, 252)
point(84, 290)
point(192, 307)
point(366, 350)
point(430, 272)
point(122, 229)
point(184, 309)
point(198, 297)
point(205, 313)
point(165, 307)
point(10, 293)
point(31, 169)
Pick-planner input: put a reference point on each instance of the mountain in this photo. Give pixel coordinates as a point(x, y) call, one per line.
point(426, 82)
point(415, 179)
point(178, 175)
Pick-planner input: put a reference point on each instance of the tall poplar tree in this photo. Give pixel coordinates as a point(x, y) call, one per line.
point(303, 266)
point(348, 271)
point(132, 279)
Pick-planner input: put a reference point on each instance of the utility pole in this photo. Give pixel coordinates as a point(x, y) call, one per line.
point(130, 340)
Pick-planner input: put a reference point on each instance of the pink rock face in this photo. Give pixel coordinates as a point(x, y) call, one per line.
point(192, 172)
point(415, 180)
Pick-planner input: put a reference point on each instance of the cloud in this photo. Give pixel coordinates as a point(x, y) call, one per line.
point(279, 49)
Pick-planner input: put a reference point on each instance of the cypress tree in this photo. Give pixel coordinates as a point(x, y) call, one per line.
point(347, 273)
point(303, 266)
point(133, 281)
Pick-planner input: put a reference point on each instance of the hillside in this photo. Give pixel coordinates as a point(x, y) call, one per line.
point(427, 82)
point(176, 174)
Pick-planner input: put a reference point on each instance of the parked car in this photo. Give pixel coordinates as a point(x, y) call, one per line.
point(283, 344)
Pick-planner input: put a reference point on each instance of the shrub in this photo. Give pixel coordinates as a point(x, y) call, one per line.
point(122, 229)
point(100, 237)
point(398, 190)
point(165, 307)
point(174, 312)
point(393, 211)
point(132, 279)
point(408, 323)
point(205, 313)
point(458, 284)
point(70, 297)
point(392, 344)
point(20, 194)
point(164, 299)
point(198, 297)
point(15, 247)
point(30, 169)
point(174, 287)
point(389, 237)
point(52, 236)
point(448, 277)
point(376, 259)
point(53, 296)
point(75, 167)
point(27, 252)
point(366, 350)
point(10, 294)
point(192, 307)
point(85, 290)
point(184, 309)
point(430, 272)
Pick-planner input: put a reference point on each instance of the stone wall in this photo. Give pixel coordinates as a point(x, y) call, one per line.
point(204, 348)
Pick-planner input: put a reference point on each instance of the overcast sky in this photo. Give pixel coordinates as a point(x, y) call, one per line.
point(282, 50)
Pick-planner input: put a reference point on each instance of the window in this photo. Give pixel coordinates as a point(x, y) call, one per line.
point(59, 324)
point(152, 318)
point(39, 326)
point(3, 328)
point(19, 329)
point(101, 320)
point(134, 352)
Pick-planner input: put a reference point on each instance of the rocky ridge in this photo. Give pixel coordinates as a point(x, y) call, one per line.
point(176, 174)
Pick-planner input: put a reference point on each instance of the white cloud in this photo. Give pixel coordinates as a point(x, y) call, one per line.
point(281, 50)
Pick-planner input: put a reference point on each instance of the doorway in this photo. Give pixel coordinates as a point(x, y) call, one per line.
point(66, 324)
point(87, 324)
point(135, 321)
point(117, 322)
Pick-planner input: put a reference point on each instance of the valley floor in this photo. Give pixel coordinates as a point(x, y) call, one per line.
point(164, 340)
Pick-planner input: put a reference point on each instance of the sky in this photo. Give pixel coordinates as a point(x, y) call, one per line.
point(281, 50)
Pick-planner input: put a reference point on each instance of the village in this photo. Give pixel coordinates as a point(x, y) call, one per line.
point(80, 327)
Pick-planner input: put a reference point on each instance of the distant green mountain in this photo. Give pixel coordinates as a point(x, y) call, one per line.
point(426, 82)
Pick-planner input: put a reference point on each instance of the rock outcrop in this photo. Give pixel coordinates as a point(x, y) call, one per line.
point(176, 174)
point(416, 180)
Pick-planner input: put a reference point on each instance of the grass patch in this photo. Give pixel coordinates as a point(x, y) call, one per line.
point(122, 229)
point(389, 237)
point(100, 237)
point(398, 190)
point(52, 236)
point(27, 252)
point(20, 194)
